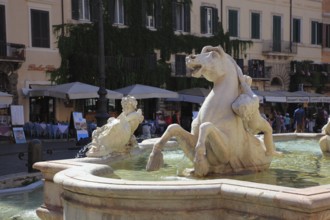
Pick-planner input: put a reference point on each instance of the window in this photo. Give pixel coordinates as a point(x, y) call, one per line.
point(150, 18)
point(255, 25)
point(277, 33)
point(296, 30)
point(180, 65)
point(80, 9)
point(233, 23)
point(327, 35)
point(116, 11)
point(209, 20)
point(256, 68)
point(181, 16)
point(40, 28)
point(316, 33)
point(119, 12)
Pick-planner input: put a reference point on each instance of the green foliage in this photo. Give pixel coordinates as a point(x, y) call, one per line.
point(126, 48)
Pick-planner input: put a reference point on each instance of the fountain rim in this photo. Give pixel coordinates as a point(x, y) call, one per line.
point(84, 177)
point(90, 170)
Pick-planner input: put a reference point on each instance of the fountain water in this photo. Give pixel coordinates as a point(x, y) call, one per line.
point(222, 141)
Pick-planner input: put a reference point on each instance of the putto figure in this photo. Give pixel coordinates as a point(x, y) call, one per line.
point(220, 140)
point(118, 134)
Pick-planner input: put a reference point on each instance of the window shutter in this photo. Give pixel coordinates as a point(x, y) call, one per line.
point(180, 65)
point(250, 67)
point(215, 20)
point(126, 17)
point(203, 20)
point(319, 33)
point(111, 10)
point(240, 63)
point(233, 23)
point(158, 14)
point(144, 13)
point(94, 10)
point(186, 27)
point(75, 9)
point(174, 14)
point(3, 48)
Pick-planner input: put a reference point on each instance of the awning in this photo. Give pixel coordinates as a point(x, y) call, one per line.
point(5, 98)
point(74, 90)
point(193, 95)
point(292, 97)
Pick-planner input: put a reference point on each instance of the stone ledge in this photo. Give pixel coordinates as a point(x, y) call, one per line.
point(19, 179)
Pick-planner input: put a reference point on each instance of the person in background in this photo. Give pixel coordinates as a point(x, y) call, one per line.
point(287, 122)
point(160, 123)
point(278, 122)
point(176, 117)
point(299, 118)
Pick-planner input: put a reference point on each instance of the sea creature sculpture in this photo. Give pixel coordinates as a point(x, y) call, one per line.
point(324, 141)
point(221, 141)
point(117, 135)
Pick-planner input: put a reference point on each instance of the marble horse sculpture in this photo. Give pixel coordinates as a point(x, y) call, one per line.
point(324, 141)
point(117, 135)
point(222, 139)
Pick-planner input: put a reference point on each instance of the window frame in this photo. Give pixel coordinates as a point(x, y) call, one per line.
point(119, 15)
point(47, 32)
point(208, 20)
point(80, 10)
point(151, 16)
point(316, 35)
point(181, 16)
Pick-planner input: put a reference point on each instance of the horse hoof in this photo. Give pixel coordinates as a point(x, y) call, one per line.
point(201, 167)
point(155, 161)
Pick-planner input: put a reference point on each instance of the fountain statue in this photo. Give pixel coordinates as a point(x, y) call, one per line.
point(222, 137)
point(325, 140)
point(117, 135)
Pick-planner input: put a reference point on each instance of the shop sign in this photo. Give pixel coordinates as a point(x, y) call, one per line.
point(34, 67)
point(297, 99)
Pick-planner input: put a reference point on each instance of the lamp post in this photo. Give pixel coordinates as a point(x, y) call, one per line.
point(101, 113)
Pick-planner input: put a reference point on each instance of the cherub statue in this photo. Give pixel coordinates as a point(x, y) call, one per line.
point(247, 107)
point(117, 135)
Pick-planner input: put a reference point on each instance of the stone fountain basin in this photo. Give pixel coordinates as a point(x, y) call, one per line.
point(74, 189)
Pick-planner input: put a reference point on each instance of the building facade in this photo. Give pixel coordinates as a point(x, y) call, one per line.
point(282, 31)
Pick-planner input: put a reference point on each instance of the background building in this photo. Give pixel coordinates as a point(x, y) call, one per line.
point(285, 34)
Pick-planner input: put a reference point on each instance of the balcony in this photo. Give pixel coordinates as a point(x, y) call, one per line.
point(279, 48)
point(12, 52)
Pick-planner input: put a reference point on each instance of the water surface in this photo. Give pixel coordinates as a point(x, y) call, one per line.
point(301, 165)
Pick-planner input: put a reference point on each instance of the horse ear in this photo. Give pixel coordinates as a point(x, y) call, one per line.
point(220, 50)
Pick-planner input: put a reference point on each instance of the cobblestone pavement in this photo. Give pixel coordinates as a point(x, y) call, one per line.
point(9, 154)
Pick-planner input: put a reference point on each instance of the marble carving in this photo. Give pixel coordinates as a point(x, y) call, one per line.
point(222, 139)
point(118, 134)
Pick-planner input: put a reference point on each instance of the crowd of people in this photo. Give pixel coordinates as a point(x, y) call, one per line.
point(299, 122)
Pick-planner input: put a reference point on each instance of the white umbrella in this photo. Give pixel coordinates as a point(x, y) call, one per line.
point(193, 95)
point(5, 98)
point(146, 92)
point(78, 90)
